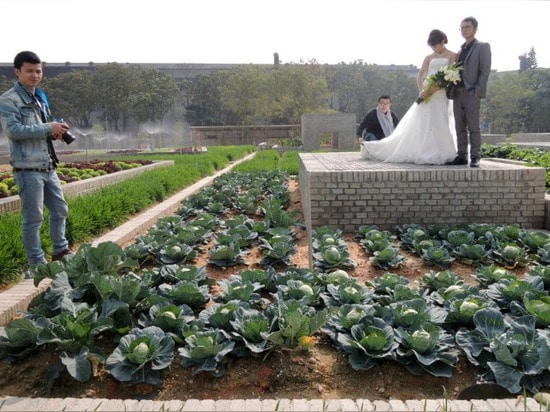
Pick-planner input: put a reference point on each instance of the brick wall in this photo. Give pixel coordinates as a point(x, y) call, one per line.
point(343, 190)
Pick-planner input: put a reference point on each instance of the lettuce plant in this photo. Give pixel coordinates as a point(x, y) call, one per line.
point(143, 355)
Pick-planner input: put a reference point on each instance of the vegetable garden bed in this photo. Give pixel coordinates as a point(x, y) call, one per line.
point(301, 361)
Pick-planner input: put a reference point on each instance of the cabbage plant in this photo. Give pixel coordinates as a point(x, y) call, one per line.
point(426, 348)
point(487, 275)
point(277, 250)
point(186, 293)
point(169, 317)
point(507, 290)
point(143, 355)
point(205, 351)
point(344, 318)
point(376, 240)
point(370, 340)
point(252, 327)
point(295, 323)
point(299, 290)
point(387, 258)
point(346, 292)
point(414, 312)
point(471, 254)
point(461, 311)
point(238, 289)
point(510, 352)
point(437, 256)
point(509, 255)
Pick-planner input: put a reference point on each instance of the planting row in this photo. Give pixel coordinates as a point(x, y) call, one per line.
point(156, 307)
point(71, 172)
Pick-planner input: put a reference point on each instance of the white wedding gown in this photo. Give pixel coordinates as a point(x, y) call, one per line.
point(425, 135)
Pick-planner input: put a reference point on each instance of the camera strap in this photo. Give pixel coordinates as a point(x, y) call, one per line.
point(44, 117)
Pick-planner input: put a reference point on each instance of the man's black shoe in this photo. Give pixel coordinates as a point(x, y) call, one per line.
point(59, 256)
point(459, 160)
point(474, 162)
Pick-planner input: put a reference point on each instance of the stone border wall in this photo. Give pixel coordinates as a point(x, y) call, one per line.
point(345, 191)
point(13, 203)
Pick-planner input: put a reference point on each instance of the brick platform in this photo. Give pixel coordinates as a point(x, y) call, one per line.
point(346, 191)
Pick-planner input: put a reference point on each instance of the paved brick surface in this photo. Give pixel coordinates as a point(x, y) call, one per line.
point(17, 298)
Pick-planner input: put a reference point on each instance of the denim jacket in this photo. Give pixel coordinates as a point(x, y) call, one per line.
point(27, 134)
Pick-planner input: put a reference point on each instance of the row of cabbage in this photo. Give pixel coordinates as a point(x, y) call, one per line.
point(474, 244)
point(154, 304)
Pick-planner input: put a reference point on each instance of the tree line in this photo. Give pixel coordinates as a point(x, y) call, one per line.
point(121, 98)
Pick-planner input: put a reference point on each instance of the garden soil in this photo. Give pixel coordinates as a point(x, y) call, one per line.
point(319, 372)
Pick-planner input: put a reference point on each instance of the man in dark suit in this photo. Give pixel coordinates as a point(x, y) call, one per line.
point(476, 59)
point(379, 122)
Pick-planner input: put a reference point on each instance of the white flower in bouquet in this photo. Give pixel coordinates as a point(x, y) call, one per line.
point(446, 76)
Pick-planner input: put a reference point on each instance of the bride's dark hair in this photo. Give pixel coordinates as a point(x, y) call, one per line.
point(436, 37)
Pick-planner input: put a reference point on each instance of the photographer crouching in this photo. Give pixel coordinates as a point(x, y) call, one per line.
point(30, 128)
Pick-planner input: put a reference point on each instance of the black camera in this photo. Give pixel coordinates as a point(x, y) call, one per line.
point(67, 137)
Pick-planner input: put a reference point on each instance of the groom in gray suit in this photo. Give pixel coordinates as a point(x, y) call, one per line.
point(476, 59)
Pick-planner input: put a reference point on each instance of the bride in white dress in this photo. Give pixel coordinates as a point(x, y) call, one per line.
point(426, 134)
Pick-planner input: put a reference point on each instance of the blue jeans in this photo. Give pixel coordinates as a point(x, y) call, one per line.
point(35, 190)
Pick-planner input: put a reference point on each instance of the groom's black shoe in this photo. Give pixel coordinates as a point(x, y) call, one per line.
point(474, 162)
point(459, 160)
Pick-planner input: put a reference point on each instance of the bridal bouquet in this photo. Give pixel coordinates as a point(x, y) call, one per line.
point(447, 76)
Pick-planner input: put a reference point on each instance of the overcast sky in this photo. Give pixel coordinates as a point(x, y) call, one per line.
point(251, 31)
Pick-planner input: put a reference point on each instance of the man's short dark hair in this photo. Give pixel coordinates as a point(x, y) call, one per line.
point(385, 96)
point(25, 57)
point(472, 20)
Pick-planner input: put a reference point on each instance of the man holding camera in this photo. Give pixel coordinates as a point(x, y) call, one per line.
point(27, 121)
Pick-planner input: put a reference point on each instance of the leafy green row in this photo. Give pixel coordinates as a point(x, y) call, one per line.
point(92, 214)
